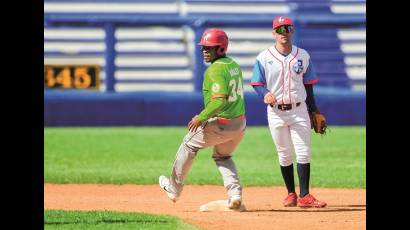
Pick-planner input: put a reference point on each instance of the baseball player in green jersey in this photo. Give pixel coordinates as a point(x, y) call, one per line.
point(221, 124)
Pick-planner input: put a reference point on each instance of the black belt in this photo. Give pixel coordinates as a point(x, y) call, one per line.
point(284, 107)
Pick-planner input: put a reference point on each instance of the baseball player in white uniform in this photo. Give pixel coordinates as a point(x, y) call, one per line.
point(283, 76)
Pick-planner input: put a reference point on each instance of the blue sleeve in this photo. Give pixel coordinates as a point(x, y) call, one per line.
point(258, 76)
point(310, 76)
point(310, 98)
point(260, 90)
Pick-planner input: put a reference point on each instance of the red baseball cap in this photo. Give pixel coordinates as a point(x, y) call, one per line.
point(281, 20)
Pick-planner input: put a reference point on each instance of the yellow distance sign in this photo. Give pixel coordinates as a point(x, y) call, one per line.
point(72, 76)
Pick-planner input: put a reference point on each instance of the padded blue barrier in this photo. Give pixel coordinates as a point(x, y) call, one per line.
point(91, 108)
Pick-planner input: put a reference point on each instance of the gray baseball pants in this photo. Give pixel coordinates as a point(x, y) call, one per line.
point(224, 138)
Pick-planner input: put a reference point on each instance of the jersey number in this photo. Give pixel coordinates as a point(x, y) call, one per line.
point(235, 90)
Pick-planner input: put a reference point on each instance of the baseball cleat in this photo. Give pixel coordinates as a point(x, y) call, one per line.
point(166, 186)
point(290, 200)
point(309, 201)
point(234, 202)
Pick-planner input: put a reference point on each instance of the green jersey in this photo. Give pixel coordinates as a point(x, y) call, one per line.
point(223, 78)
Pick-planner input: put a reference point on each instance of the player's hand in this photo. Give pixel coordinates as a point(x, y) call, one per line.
point(269, 99)
point(194, 124)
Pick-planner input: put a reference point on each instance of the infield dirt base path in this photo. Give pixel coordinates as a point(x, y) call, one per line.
point(346, 207)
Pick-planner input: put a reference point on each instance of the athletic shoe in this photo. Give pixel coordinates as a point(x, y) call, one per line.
point(309, 201)
point(166, 186)
point(290, 200)
point(235, 202)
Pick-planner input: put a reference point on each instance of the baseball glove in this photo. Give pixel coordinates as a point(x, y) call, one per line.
point(318, 122)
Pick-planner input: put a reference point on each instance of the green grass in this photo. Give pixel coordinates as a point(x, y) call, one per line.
point(140, 155)
point(66, 220)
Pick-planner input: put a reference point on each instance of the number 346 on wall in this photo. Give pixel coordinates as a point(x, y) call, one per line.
point(71, 76)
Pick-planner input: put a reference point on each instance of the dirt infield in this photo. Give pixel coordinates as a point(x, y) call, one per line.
point(346, 207)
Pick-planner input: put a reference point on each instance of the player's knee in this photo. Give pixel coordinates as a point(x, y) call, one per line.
point(285, 160)
point(303, 158)
point(220, 157)
point(191, 149)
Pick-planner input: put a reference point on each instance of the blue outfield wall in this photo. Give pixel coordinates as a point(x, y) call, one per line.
point(90, 108)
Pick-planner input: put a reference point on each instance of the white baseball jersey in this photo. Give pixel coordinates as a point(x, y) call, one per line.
point(284, 76)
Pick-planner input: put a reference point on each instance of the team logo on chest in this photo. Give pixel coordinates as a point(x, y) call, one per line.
point(298, 67)
point(215, 87)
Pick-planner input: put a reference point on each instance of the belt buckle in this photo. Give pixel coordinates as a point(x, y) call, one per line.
point(285, 107)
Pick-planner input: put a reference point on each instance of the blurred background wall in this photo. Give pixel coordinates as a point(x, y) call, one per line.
point(151, 70)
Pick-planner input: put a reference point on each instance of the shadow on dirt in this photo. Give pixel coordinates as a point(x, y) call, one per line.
point(330, 208)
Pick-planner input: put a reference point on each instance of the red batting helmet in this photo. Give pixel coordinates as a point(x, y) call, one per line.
point(280, 21)
point(215, 37)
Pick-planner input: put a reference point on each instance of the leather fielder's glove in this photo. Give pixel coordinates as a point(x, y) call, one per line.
point(318, 122)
